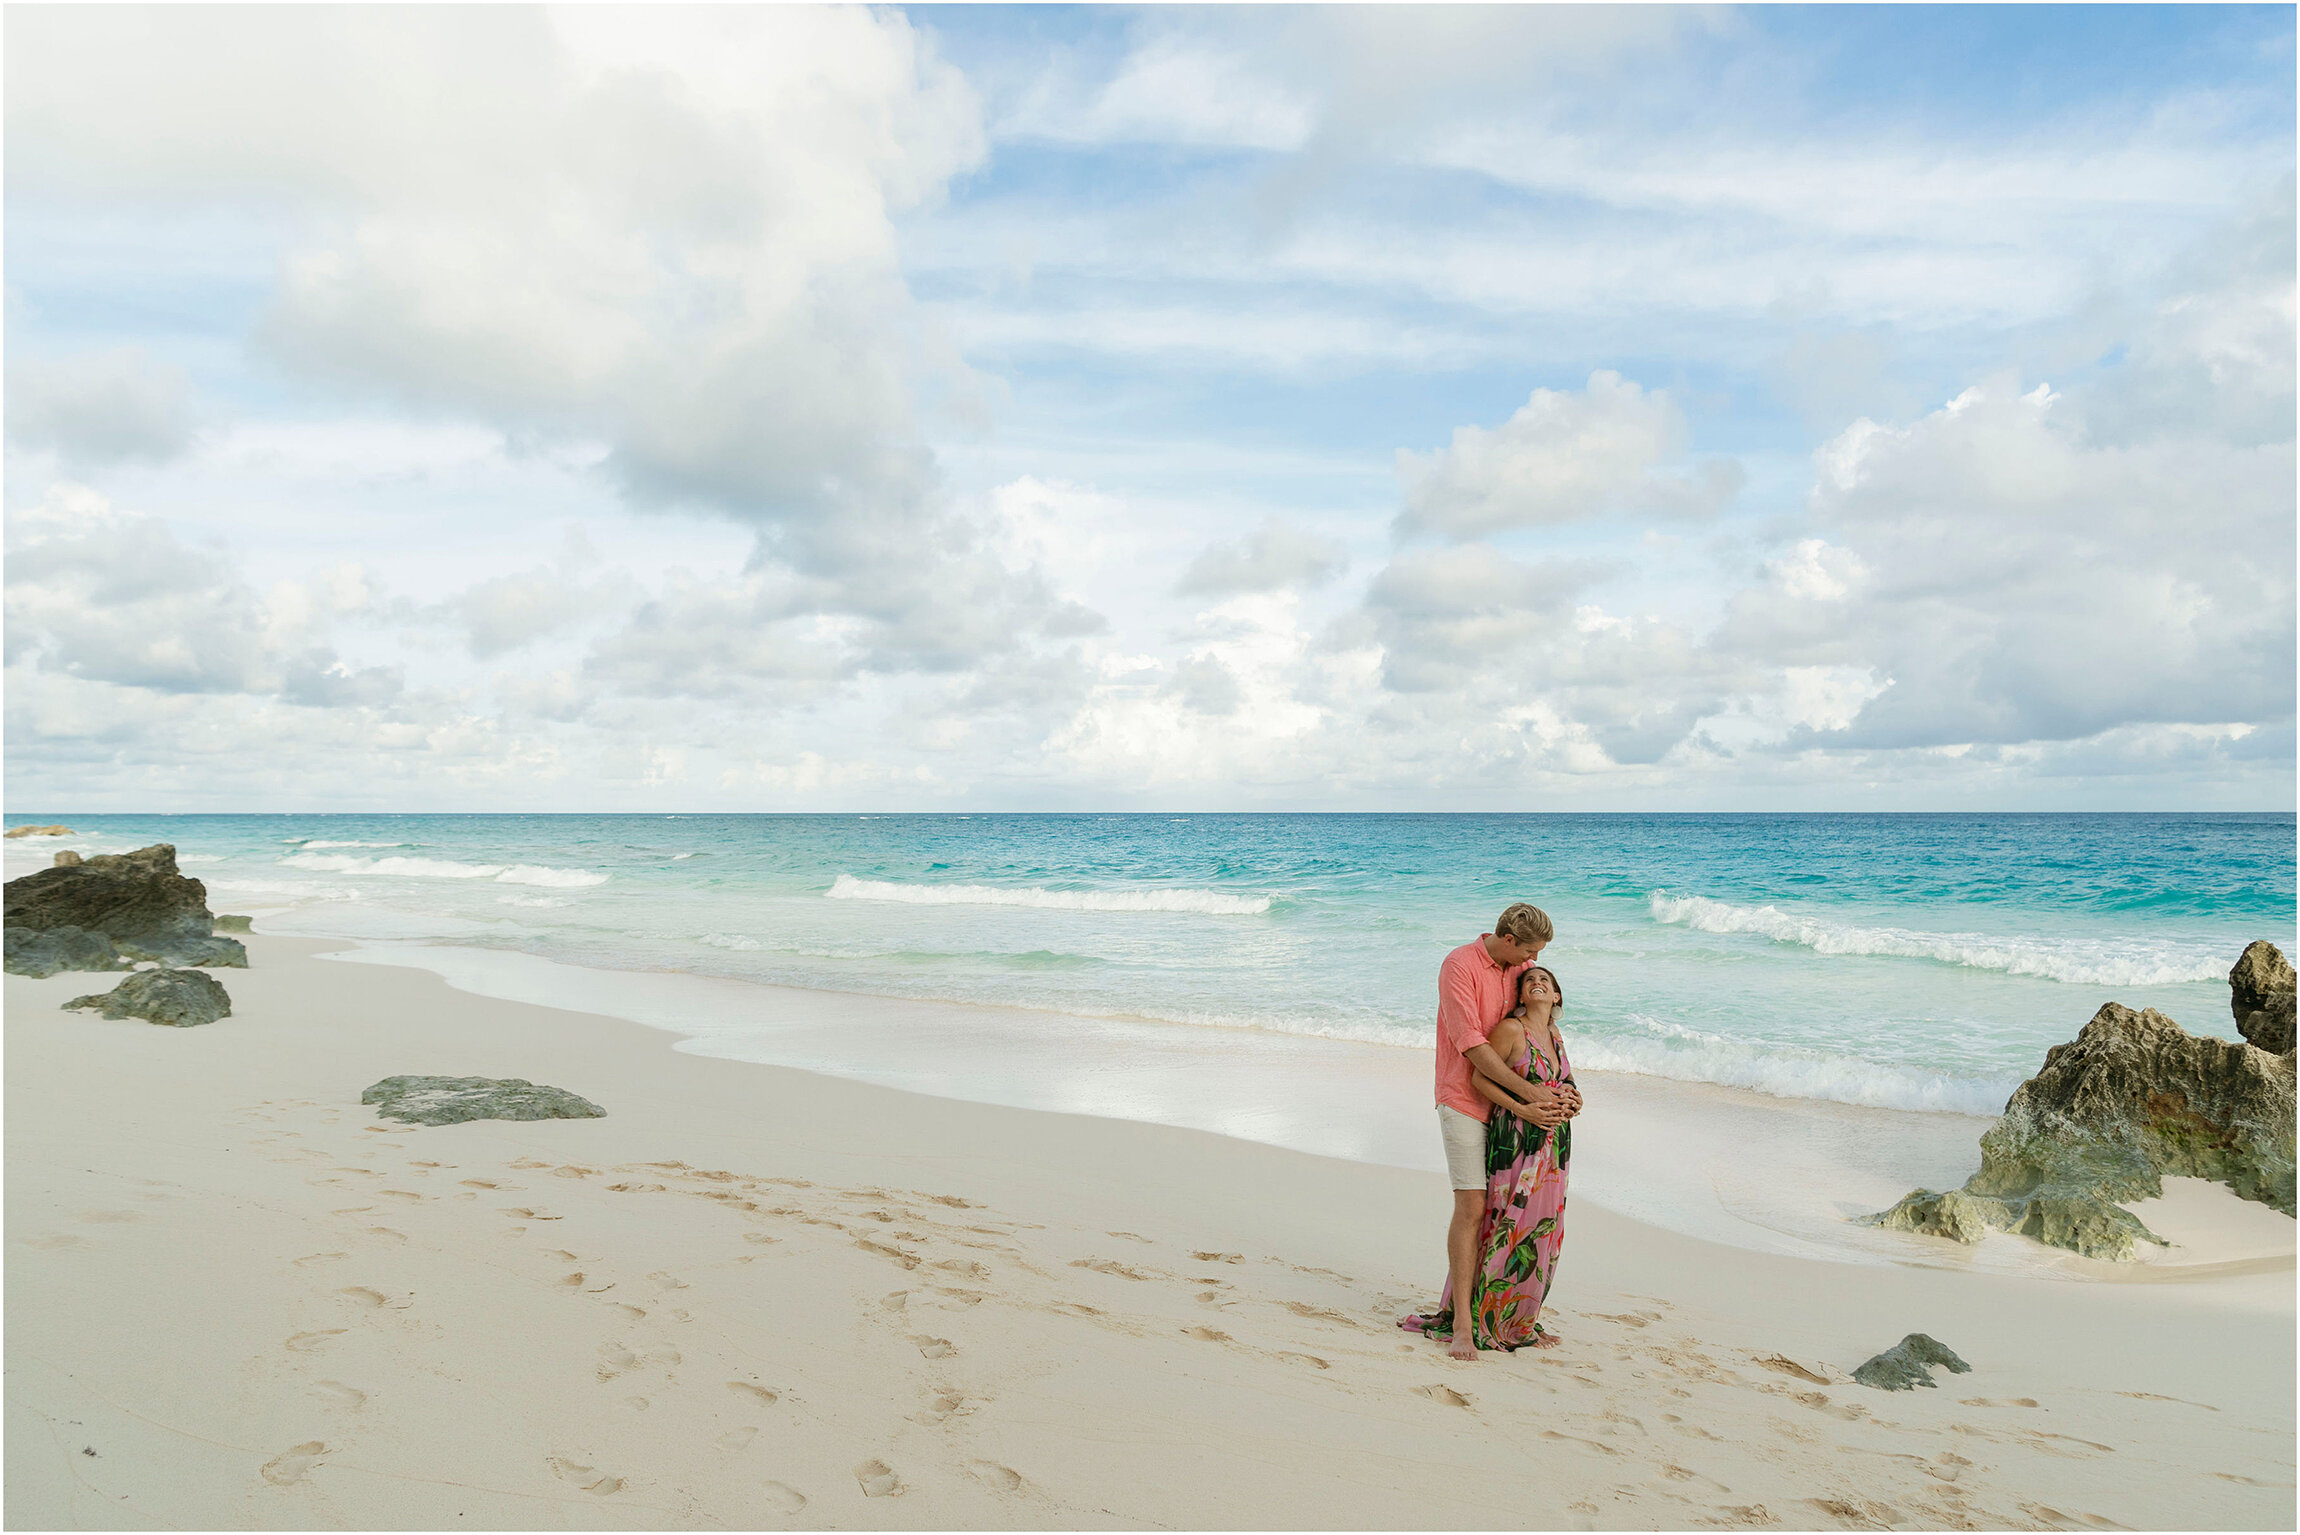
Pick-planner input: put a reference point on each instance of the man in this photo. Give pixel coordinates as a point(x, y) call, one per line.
point(1477, 984)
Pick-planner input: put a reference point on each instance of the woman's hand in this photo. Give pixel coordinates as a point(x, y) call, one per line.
point(1547, 1106)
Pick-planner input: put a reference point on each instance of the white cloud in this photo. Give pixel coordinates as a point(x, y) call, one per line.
point(1277, 554)
point(1562, 457)
point(97, 408)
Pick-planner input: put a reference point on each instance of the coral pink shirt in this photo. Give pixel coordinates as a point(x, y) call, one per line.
point(1473, 993)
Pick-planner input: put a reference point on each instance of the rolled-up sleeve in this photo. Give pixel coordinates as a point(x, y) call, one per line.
point(1458, 1022)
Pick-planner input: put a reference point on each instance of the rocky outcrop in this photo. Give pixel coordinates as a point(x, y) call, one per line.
point(32, 952)
point(455, 1100)
point(180, 999)
point(2132, 1100)
point(136, 900)
point(65, 858)
point(37, 831)
point(2260, 995)
point(1907, 1364)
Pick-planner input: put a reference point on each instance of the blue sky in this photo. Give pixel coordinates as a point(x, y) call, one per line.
point(1045, 407)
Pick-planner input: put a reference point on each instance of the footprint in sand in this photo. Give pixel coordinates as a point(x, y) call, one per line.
point(1131, 1236)
point(630, 1313)
point(589, 1478)
point(1820, 1403)
point(387, 1234)
point(2011, 1401)
point(1312, 1360)
point(736, 1439)
point(1219, 1257)
point(336, 1394)
point(361, 1295)
point(1206, 1334)
point(525, 1214)
point(1108, 1266)
point(934, 1348)
point(614, 1360)
point(49, 1241)
point(1320, 1313)
point(744, 1388)
point(907, 1260)
point(1587, 1444)
point(945, 1403)
point(291, 1466)
point(995, 1476)
point(305, 1342)
point(783, 1499)
point(963, 1268)
point(311, 1258)
point(1444, 1394)
point(760, 1237)
point(877, 1480)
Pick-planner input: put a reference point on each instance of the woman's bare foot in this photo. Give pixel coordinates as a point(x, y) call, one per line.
point(1546, 1340)
point(1462, 1348)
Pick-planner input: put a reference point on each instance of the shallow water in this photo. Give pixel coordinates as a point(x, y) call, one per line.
point(1920, 962)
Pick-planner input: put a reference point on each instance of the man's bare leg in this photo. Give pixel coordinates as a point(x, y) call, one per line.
point(1461, 1268)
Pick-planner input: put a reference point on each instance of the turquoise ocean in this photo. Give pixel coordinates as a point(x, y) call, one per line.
point(1916, 962)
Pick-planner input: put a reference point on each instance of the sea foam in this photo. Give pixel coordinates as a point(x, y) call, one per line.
point(315, 842)
point(2080, 961)
point(1208, 903)
point(441, 868)
point(1785, 1071)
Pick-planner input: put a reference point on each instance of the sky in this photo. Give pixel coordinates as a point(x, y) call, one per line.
point(1066, 408)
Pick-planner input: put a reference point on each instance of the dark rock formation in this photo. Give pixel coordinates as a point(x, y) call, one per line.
point(453, 1100)
point(37, 831)
point(137, 900)
point(2260, 995)
point(65, 858)
point(32, 952)
point(2132, 1100)
point(1907, 1364)
point(181, 999)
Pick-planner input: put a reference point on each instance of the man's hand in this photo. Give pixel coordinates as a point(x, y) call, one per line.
point(1546, 1106)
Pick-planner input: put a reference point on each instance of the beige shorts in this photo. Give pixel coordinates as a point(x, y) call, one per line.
point(1464, 1147)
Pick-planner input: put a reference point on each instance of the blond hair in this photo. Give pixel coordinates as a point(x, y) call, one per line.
point(1524, 924)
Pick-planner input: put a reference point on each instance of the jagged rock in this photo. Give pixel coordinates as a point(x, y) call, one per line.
point(2260, 994)
point(2085, 1224)
point(32, 952)
point(2132, 1100)
point(37, 831)
point(1965, 1217)
point(1906, 1364)
point(180, 999)
point(226, 922)
point(137, 900)
point(2135, 1097)
point(454, 1100)
point(65, 858)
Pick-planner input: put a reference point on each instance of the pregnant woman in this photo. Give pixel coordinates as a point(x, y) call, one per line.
point(1525, 1169)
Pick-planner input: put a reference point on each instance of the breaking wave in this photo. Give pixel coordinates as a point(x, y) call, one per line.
point(441, 868)
point(2079, 961)
point(1208, 903)
point(1786, 1071)
point(313, 842)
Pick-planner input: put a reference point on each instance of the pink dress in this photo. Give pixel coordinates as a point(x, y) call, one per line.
point(1524, 1224)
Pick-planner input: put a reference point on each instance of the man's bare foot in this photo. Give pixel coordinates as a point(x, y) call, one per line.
point(1546, 1340)
point(1462, 1348)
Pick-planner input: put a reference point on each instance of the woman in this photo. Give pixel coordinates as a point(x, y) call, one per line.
point(1525, 1173)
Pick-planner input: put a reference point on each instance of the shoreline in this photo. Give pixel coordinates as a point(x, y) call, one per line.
point(263, 1308)
point(1648, 1155)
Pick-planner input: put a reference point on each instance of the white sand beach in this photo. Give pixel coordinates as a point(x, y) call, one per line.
point(754, 1296)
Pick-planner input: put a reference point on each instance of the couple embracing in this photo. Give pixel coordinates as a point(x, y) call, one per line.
point(1505, 1103)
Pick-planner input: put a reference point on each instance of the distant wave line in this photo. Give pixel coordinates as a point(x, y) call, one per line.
point(2078, 961)
point(1212, 903)
point(441, 868)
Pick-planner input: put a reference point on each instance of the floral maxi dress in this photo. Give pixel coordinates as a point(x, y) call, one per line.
point(1524, 1223)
